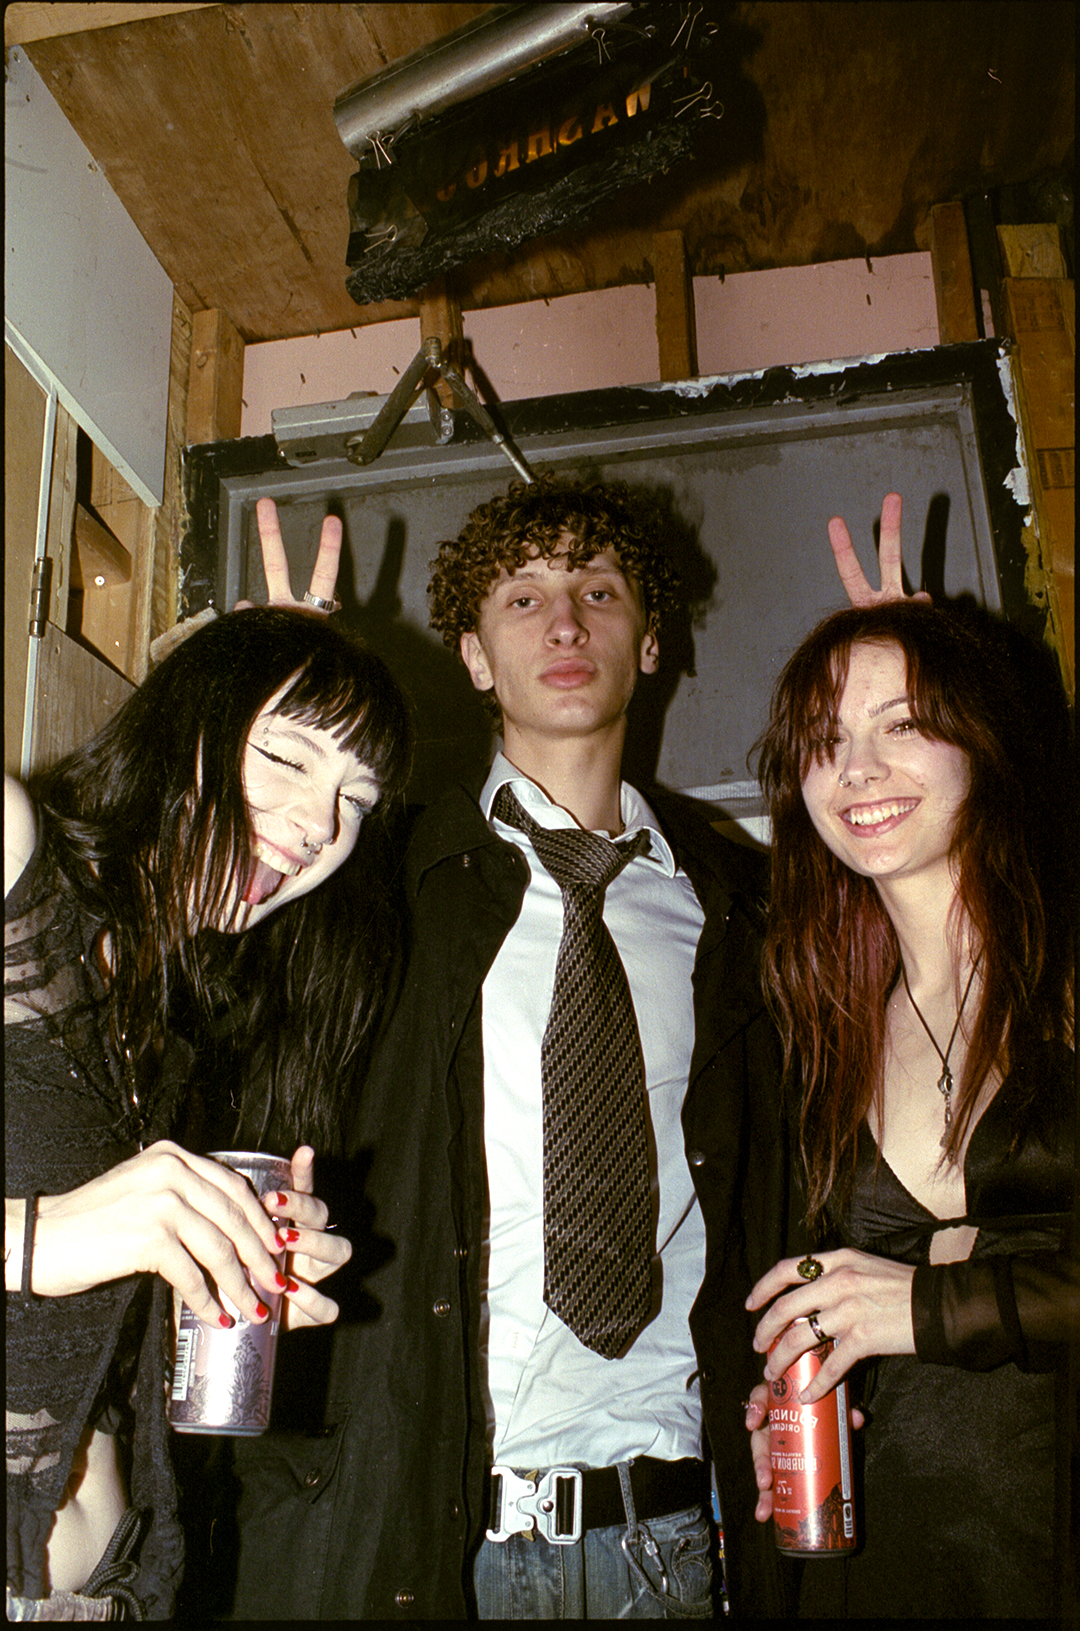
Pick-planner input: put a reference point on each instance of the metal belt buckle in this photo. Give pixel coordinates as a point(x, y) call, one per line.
point(552, 1504)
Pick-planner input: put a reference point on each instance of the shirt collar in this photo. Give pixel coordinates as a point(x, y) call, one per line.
point(635, 813)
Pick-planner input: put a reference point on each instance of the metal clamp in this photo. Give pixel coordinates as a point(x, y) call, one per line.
point(366, 445)
point(551, 1505)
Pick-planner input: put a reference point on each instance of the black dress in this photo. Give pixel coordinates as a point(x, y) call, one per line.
point(98, 1357)
point(965, 1451)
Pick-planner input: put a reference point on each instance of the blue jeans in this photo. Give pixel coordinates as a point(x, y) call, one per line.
point(528, 1578)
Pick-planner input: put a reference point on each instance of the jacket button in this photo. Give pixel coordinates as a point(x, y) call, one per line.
point(696, 1158)
point(442, 1307)
point(312, 1478)
point(466, 860)
point(404, 1598)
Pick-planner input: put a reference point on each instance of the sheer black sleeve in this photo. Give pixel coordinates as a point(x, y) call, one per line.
point(987, 1311)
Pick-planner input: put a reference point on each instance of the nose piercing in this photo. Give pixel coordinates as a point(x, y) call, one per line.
point(844, 783)
point(312, 849)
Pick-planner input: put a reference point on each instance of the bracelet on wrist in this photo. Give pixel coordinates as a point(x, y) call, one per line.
point(29, 1226)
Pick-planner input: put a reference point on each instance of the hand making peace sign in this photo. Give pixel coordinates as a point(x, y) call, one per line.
point(320, 594)
point(851, 573)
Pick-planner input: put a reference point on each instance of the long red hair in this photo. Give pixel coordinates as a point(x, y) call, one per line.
point(831, 953)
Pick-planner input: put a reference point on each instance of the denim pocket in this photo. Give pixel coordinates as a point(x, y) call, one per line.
point(690, 1568)
point(679, 1571)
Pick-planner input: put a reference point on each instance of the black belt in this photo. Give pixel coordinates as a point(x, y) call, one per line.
point(659, 1488)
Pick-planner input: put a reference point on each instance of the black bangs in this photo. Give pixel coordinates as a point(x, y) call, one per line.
point(362, 710)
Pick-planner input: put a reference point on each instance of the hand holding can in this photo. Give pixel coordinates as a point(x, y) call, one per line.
point(810, 1449)
point(223, 1379)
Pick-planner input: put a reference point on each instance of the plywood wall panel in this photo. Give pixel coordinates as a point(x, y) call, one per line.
point(76, 694)
point(218, 127)
point(842, 124)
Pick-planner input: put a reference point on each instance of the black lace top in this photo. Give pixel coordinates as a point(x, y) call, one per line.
point(97, 1357)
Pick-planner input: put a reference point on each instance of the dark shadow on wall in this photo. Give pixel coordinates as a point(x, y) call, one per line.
point(453, 735)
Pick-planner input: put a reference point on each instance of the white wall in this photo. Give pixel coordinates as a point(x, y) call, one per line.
point(580, 342)
point(81, 288)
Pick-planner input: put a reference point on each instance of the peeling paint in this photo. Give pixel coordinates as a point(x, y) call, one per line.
point(696, 387)
point(708, 382)
point(1017, 481)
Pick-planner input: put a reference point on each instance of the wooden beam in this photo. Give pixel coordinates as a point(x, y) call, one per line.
point(216, 380)
point(953, 285)
point(102, 558)
point(440, 314)
point(60, 545)
point(116, 616)
point(25, 21)
point(1031, 251)
point(169, 517)
point(676, 324)
point(1041, 316)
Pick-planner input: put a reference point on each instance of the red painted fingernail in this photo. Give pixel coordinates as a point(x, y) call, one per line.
point(292, 1285)
point(282, 1200)
point(280, 1242)
point(292, 1235)
point(261, 1310)
point(280, 1281)
point(225, 1322)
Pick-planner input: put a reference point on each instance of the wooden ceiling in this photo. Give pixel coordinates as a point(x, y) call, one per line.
point(843, 124)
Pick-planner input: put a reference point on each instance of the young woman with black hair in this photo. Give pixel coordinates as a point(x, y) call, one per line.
point(180, 852)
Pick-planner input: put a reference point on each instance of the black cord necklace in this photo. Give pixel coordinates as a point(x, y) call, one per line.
point(945, 1080)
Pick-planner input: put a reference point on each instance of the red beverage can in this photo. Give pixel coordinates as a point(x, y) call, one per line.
point(810, 1445)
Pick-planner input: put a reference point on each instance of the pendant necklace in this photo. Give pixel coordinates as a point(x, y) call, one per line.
point(945, 1080)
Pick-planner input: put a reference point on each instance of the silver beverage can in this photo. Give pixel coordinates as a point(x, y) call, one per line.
point(222, 1380)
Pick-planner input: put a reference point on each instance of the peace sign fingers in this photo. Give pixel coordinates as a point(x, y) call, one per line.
point(276, 564)
point(854, 579)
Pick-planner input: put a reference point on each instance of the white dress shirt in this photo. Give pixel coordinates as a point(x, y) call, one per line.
point(551, 1399)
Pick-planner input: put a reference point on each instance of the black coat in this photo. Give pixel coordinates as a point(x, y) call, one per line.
point(378, 1511)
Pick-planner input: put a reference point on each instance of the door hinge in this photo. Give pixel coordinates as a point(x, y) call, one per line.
point(40, 589)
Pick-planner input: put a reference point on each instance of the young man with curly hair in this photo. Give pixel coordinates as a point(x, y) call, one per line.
point(556, 597)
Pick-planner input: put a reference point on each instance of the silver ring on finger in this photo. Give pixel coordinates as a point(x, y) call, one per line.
point(330, 606)
point(812, 1321)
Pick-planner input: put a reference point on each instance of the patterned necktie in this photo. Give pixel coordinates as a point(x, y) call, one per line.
point(598, 1232)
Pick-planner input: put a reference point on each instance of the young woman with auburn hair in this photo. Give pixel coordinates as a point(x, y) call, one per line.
point(920, 959)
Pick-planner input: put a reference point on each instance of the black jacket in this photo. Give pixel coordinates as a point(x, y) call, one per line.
point(377, 1512)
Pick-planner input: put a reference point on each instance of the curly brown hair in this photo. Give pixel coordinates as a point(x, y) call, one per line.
point(503, 533)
